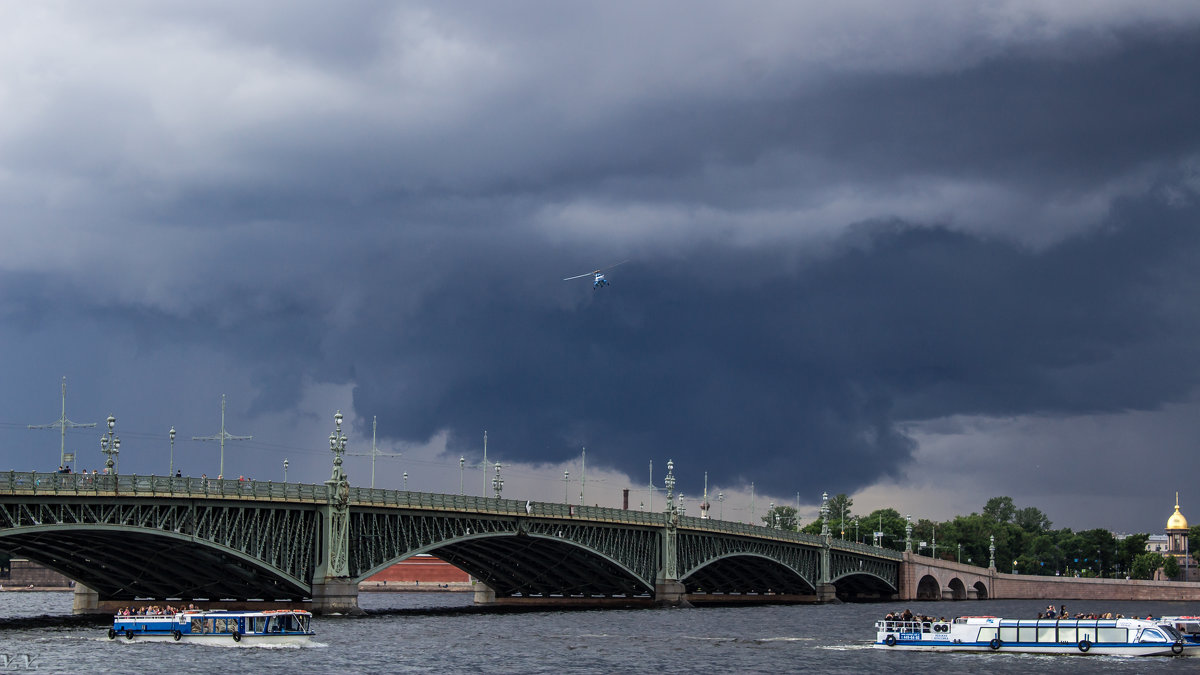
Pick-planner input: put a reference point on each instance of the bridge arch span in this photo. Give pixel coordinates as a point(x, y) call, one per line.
point(514, 556)
point(863, 585)
point(125, 563)
point(746, 573)
point(514, 564)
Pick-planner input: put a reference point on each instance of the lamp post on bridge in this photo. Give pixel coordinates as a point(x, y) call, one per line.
point(566, 487)
point(824, 514)
point(721, 499)
point(498, 482)
point(462, 462)
point(110, 445)
point(171, 470)
point(406, 481)
point(908, 533)
point(992, 551)
point(285, 465)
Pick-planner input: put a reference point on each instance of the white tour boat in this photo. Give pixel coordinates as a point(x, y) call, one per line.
point(217, 627)
point(1117, 637)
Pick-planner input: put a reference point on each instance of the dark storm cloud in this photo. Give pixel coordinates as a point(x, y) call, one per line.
point(761, 380)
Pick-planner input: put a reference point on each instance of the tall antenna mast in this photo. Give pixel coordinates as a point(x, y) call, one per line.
point(375, 453)
point(484, 464)
point(63, 423)
point(650, 500)
point(582, 476)
point(222, 437)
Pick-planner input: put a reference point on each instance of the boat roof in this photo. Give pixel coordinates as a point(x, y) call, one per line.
point(998, 621)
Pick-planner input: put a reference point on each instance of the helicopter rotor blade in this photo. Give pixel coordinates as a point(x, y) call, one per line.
point(579, 276)
point(605, 269)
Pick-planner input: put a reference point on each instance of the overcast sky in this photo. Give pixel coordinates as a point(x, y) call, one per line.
point(921, 253)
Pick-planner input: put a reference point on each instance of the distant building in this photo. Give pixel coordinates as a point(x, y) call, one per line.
point(1174, 542)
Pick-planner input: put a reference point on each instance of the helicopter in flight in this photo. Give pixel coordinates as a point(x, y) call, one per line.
point(598, 279)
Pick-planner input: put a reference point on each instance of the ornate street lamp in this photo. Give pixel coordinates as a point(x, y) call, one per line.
point(285, 465)
point(462, 462)
point(669, 483)
point(337, 445)
point(498, 482)
point(566, 487)
point(825, 514)
point(171, 471)
point(721, 500)
point(406, 481)
point(110, 445)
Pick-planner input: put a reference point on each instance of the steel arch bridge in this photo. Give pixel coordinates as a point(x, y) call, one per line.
point(146, 537)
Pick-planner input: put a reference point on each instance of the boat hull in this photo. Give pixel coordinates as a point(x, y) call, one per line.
point(1066, 649)
point(220, 640)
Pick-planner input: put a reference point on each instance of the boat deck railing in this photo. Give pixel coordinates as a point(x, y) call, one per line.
point(911, 626)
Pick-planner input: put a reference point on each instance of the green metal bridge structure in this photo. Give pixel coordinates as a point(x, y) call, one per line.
point(130, 539)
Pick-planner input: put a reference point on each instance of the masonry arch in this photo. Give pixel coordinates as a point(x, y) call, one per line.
point(981, 591)
point(958, 590)
point(929, 588)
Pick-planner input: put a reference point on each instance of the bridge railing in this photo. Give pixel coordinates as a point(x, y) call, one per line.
point(514, 507)
point(855, 547)
point(14, 482)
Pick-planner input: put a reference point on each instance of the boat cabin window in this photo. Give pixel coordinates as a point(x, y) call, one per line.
point(1027, 633)
point(284, 623)
point(199, 626)
point(1172, 634)
point(258, 624)
point(1008, 633)
point(1189, 627)
point(1112, 635)
point(1151, 635)
point(986, 634)
point(1047, 633)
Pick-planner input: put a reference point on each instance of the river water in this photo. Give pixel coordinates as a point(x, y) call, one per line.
point(442, 632)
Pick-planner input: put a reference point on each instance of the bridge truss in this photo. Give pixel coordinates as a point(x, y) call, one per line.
point(131, 537)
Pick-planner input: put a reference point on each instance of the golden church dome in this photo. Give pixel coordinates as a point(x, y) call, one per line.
point(1177, 521)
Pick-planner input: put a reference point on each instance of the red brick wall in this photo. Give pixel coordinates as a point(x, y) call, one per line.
point(424, 569)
